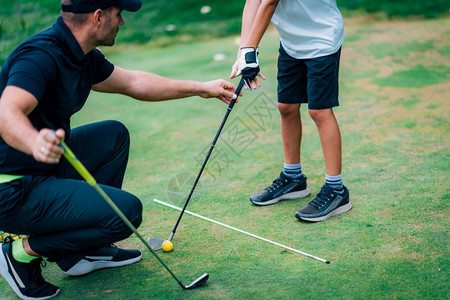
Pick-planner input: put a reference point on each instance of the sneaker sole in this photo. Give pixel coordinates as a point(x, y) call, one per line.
point(288, 196)
point(337, 211)
point(5, 273)
point(84, 267)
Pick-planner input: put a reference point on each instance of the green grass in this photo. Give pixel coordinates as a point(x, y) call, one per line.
point(417, 76)
point(394, 118)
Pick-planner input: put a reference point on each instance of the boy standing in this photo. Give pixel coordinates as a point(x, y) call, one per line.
point(312, 33)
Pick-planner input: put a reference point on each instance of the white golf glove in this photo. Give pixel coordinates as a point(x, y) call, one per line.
point(248, 65)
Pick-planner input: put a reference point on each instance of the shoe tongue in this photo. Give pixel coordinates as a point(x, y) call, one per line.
point(326, 189)
point(106, 251)
point(38, 261)
point(35, 270)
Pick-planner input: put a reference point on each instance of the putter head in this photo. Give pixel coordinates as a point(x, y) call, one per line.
point(155, 243)
point(198, 282)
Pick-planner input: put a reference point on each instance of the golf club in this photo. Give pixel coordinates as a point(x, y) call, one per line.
point(156, 243)
point(80, 168)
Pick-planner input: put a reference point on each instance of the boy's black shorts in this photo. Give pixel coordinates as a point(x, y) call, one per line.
point(314, 81)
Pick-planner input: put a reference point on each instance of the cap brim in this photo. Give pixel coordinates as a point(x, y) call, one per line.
point(130, 5)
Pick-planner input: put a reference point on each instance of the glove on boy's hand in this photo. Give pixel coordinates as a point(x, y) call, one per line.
point(248, 65)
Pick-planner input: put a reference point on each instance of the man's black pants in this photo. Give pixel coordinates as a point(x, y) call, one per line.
point(64, 216)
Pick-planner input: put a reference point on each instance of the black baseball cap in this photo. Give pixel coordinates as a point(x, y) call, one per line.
point(87, 6)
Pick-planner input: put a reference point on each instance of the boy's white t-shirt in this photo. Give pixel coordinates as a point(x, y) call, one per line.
point(309, 28)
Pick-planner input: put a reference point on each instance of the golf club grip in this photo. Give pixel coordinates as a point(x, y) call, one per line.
point(237, 92)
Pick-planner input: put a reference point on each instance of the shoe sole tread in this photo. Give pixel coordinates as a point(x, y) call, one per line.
point(289, 196)
point(87, 267)
point(337, 211)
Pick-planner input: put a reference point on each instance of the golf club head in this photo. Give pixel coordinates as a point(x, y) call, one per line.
point(155, 243)
point(198, 282)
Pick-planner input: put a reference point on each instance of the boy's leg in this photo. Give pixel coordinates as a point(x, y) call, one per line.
point(291, 137)
point(291, 131)
point(330, 139)
point(323, 87)
point(291, 184)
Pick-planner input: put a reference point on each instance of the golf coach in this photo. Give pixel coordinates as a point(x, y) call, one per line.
point(43, 82)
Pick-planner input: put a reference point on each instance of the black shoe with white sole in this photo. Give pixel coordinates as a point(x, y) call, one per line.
point(103, 258)
point(326, 204)
point(25, 278)
point(282, 188)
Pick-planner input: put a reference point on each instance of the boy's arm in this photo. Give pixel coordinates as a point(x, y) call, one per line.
point(255, 19)
point(254, 23)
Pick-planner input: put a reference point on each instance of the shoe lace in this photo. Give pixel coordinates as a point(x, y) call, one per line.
point(275, 184)
point(321, 199)
point(35, 270)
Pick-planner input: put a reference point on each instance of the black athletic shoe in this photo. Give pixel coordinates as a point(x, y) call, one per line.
point(106, 257)
point(25, 278)
point(282, 188)
point(326, 204)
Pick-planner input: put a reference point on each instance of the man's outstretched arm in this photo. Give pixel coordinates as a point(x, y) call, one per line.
point(152, 87)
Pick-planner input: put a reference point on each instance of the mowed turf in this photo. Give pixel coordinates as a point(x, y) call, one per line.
point(394, 118)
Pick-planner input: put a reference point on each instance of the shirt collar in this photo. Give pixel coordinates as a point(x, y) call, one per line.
point(68, 39)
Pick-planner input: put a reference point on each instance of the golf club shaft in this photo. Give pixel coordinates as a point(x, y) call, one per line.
point(230, 107)
point(81, 169)
point(242, 231)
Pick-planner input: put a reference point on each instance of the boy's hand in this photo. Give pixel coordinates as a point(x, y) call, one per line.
point(248, 65)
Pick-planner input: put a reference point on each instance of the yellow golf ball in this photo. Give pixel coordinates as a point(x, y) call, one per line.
point(167, 246)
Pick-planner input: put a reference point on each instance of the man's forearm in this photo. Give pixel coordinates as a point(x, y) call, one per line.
point(17, 131)
point(152, 87)
point(147, 86)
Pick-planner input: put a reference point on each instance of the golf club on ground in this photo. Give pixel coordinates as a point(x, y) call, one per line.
point(73, 160)
point(156, 243)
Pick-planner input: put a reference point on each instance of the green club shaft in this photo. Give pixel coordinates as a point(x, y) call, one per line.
point(86, 175)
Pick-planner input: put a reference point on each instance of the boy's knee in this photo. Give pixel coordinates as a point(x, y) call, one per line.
point(320, 115)
point(287, 110)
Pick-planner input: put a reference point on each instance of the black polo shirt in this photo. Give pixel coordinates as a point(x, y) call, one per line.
point(52, 66)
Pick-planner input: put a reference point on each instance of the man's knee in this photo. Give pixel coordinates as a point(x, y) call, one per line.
point(134, 211)
point(132, 208)
point(120, 131)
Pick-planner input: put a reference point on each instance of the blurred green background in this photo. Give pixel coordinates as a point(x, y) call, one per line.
point(165, 22)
